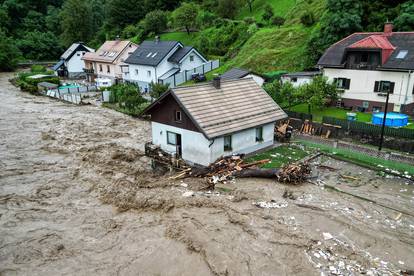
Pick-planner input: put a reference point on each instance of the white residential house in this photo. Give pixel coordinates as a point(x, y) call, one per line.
point(203, 122)
point(238, 73)
point(300, 78)
point(105, 63)
point(367, 66)
point(156, 61)
point(71, 64)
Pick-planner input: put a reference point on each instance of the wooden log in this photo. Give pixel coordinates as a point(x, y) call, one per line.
point(263, 173)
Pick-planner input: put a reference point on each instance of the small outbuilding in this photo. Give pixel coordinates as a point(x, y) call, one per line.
point(300, 78)
point(238, 73)
point(45, 86)
point(201, 123)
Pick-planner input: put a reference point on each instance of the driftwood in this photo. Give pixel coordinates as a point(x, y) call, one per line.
point(264, 173)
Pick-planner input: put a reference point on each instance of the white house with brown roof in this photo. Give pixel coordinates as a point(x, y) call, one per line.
point(367, 66)
point(201, 123)
point(106, 62)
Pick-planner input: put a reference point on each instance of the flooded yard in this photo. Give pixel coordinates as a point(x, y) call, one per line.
point(77, 196)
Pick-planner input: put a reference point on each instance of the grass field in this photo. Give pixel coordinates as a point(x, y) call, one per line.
point(280, 8)
point(337, 113)
point(183, 37)
point(280, 156)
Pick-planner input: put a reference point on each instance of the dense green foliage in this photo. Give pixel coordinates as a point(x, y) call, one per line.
point(263, 35)
point(30, 85)
point(127, 98)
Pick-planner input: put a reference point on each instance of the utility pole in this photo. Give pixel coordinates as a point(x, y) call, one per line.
point(383, 121)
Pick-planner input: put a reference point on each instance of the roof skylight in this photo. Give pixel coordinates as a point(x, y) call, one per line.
point(154, 55)
point(402, 54)
point(149, 54)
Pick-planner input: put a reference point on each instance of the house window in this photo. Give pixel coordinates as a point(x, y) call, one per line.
point(259, 134)
point(171, 138)
point(191, 58)
point(365, 104)
point(342, 83)
point(78, 54)
point(136, 72)
point(227, 143)
point(100, 67)
point(376, 109)
point(149, 73)
point(384, 87)
point(178, 116)
point(108, 69)
point(294, 79)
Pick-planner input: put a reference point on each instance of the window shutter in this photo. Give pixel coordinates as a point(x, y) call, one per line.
point(347, 83)
point(376, 87)
point(392, 84)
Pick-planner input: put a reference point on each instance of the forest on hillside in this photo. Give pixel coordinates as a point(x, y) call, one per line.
point(263, 35)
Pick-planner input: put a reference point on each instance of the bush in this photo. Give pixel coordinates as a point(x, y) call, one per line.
point(127, 96)
point(38, 69)
point(307, 19)
point(277, 21)
point(249, 20)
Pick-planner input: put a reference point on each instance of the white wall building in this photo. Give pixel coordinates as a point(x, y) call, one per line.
point(71, 64)
point(202, 123)
point(158, 60)
point(299, 78)
point(367, 66)
point(238, 73)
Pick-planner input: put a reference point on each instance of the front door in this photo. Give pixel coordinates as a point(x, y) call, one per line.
point(178, 145)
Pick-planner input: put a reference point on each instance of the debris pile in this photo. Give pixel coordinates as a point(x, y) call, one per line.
point(294, 173)
point(227, 168)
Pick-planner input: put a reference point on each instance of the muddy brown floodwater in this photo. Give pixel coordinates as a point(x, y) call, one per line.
point(77, 196)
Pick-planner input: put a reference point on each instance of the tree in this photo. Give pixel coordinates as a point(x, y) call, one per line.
point(186, 16)
point(157, 89)
point(318, 93)
point(307, 19)
point(125, 12)
point(76, 21)
point(405, 21)
point(250, 4)
point(127, 96)
point(38, 45)
point(227, 8)
point(9, 53)
point(155, 21)
point(268, 13)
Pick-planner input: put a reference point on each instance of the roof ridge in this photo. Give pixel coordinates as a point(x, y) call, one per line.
point(209, 83)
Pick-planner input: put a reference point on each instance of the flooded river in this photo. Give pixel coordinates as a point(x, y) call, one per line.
point(77, 197)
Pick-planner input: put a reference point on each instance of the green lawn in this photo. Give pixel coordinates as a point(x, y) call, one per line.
point(280, 156)
point(337, 113)
point(183, 37)
point(280, 8)
point(362, 159)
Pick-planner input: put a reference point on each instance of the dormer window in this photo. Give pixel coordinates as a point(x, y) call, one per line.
point(178, 116)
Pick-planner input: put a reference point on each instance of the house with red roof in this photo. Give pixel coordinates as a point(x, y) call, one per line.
point(367, 66)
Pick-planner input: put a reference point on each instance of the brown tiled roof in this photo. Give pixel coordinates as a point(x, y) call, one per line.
point(108, 52)
point(237, 105)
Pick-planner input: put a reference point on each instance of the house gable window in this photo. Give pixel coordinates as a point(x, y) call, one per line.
point(178, 117)
point(171, 138)
point(227, 143)
point(100, 68)
point(191, 58)
point(384, 87)
point(108, 69)
point(342, 83)
point(259, 134)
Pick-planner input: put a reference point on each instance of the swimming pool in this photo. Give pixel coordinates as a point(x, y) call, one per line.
point(393, 119)
point(69, 86)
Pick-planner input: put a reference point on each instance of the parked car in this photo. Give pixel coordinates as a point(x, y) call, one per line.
point(197, 77)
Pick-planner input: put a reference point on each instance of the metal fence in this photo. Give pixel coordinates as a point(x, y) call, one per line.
point(184, 76)
point(369, 129)
point(72, 95)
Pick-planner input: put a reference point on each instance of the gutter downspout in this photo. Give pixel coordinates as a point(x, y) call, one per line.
point(211, 143)
point(408, 86)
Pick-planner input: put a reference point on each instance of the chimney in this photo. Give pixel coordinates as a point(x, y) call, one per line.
point(217, 82)
point(388, 28)
point(157, 39)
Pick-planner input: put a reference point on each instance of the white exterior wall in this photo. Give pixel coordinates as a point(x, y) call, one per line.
point(363, 81)
point(75, 64)
point(196, 148)
point(300, 81)
point(142, 79)
point(186, 64)
point(259, 80)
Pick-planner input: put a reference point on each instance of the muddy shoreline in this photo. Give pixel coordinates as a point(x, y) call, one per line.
point(77, 196)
